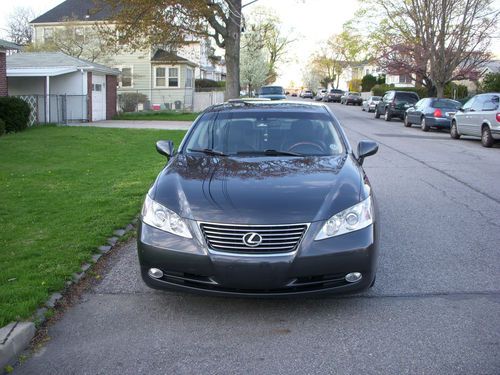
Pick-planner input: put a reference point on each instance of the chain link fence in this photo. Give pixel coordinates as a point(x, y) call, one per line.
point(56, 109)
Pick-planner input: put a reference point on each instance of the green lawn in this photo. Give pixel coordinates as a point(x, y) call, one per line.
point(158, 116)
point(63, 190)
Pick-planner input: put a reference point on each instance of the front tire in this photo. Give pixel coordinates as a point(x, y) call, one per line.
point(454, 131)
point(424, 125)
point(486, 138)
point(377, 115)
point(407, 122)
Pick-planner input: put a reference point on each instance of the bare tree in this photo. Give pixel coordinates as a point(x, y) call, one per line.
point(18, 28)
point(172, 22)
point(444, 40)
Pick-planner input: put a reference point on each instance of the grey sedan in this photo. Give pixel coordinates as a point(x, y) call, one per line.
point(432, 113)
point(370, 104)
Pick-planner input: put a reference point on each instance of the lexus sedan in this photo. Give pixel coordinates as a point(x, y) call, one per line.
point(261, 199)
point(432, 113)
point(353, 98)
point(272, 92)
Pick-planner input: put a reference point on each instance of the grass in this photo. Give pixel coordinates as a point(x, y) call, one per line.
point(158, 116)
point(63, 190)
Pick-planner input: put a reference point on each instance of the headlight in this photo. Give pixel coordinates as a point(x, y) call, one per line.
point(160, 217)
point(354, 218)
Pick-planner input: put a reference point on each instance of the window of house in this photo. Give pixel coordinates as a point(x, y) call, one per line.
point(96, 87)
point(404, 78)
point(173, 77)
point(189, 78)
point(166, 77)
point(48, 34)
point(125, 79)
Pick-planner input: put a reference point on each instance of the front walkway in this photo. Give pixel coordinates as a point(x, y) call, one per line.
point(137, 124)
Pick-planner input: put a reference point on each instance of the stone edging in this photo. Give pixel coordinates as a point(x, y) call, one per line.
point(16, 336)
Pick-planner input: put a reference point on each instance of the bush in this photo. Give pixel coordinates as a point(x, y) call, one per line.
point(129, 100)
point(355, 85)
point(367, 82)
point(208, 83)
point(379, 90)
point(15, 113)
point(491, 83)
point(451, 89)
point(2, 127)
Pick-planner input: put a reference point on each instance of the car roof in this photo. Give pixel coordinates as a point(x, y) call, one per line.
point(243, 104)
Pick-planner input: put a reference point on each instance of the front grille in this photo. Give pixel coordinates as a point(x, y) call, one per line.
point(275, 238)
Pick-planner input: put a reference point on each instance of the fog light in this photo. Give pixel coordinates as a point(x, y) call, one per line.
point(155, 273)
point(353, 277)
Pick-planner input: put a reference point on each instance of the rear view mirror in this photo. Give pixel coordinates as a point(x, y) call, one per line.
point(165, 148)
point(366, 148)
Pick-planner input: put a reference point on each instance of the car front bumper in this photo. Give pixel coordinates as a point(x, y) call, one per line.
point(315, 267)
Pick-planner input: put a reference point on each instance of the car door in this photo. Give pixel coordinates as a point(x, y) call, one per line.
point(475, 115)
point(462, 117)
point(416, 112)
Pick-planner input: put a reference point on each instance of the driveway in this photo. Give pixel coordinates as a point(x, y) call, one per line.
point(433, 310)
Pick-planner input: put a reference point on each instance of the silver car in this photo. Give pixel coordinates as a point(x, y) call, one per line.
point(370, 104)
point(479, 117)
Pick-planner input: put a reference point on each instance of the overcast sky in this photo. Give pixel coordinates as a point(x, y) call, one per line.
point(309, 21)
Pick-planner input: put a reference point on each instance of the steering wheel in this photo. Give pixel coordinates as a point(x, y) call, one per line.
point(315, 145)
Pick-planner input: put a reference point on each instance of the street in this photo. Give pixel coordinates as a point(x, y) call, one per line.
point(433, 310)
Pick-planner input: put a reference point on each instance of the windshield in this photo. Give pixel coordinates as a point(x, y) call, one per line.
point(446, 103)
point(257, 133)
point(376, 98)
point(354, 93)
point(336, 91)
point(271, 90)
point(406, 97)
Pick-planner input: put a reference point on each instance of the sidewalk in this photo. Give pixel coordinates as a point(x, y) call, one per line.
point(137, 124)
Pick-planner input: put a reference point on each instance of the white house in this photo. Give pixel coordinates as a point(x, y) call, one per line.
point(61, 88)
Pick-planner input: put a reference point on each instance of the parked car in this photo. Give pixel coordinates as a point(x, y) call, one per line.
point(320, 94)
point(431, 113)
point(479, 117)
point(370, 103)
point(395, 104)
point(261, 198)
point(272, 92)
point(294, 94)
point(350, 97)
point(306, 94)
point(333, 95)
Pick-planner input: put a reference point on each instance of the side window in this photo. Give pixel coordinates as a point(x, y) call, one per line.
point(490, 103)
point(420, 104)
point(478, 103)
point(467, 106)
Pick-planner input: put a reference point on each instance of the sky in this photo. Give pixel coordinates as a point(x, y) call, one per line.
point(309, 22)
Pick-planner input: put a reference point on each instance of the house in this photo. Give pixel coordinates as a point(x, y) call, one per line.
point(4, 47)
point(164, 77)
point(62, 88)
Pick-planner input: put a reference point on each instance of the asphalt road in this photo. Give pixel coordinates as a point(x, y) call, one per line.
point(435, 308)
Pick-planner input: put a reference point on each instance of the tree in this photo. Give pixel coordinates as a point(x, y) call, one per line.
point(437, 41)
point(253, 69)
point(263, 31)
point(367, 82)
point(170, 23)
point(491, 82)
point(18, 29)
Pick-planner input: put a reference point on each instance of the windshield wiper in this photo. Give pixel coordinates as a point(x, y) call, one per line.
point(271, 153)
point(207, 151)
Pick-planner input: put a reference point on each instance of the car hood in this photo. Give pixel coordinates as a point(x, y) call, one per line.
point(258, 190)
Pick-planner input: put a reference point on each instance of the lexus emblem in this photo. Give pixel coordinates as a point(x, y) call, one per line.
point(252, 239)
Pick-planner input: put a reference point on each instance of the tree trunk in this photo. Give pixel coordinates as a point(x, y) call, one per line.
point(232, 50)
point(440, 90)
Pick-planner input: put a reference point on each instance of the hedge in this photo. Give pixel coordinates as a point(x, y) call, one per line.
point(129, 101)
point(380, 90)
point(15, 113)
point(208, 83)
point(2, 127)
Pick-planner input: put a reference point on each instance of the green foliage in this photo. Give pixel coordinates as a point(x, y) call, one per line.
point(129, 101)
point(491, 83)
point(367, 82)
point(208, 83)
point(64, 191)
point(451, 89)
point(15, 113)
point(380, 90)
point(355, 85)
point(381, 79)
point(2, 127)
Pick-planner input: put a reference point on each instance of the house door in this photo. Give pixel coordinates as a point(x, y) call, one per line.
point(98, 98)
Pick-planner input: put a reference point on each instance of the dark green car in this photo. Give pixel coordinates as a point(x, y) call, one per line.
point(395, 103)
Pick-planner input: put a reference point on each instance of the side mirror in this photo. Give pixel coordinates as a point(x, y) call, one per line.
point(366, 148)
point(461, 109)
point(165, 148)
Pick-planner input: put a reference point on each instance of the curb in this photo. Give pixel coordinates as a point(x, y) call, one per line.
point(16, 336)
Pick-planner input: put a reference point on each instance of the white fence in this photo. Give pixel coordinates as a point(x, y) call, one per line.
point(203, 100)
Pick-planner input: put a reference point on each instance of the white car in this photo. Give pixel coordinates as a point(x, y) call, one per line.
point(479, 117)
point(370, 104)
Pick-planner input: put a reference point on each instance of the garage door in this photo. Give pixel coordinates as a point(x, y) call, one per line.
point(98, 98)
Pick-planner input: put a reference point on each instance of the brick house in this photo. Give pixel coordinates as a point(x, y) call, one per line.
point(4, 47)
